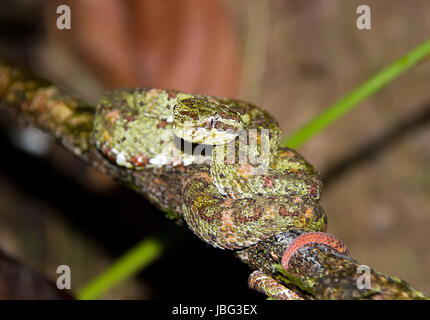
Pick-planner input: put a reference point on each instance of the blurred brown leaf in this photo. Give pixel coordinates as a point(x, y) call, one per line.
point(188, 45)
point(19, 282)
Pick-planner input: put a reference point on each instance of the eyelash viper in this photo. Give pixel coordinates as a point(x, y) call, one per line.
point(229, 203)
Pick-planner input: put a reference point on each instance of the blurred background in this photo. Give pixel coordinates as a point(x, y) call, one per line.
point(292, 58)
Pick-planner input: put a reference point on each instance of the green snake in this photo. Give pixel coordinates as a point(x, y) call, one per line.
point(242, 187)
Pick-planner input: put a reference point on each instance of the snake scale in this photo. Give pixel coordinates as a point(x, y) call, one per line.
point(243, 187)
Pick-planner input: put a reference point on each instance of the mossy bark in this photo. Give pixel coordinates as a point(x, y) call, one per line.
point(319, 272)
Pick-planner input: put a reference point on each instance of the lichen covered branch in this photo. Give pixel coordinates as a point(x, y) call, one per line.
point(314, 272)
point(319, 272)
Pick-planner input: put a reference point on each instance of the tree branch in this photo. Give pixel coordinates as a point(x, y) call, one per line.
point(314, 272)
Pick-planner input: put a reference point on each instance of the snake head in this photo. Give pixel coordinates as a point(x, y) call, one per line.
point(202, 121)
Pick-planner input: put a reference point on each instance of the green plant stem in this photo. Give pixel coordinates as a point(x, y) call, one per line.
point(347, 103)
point(133, 261)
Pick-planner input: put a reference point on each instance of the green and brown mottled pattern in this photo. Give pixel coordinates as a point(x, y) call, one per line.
point(226, 204)
point(236, 223)
point(133, 128)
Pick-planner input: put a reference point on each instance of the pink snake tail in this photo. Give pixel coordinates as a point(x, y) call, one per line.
point(312, 238)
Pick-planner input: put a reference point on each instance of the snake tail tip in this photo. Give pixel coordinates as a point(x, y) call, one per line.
point(309, 239)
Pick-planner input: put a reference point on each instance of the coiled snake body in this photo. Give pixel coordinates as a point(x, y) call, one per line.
point(232, 199)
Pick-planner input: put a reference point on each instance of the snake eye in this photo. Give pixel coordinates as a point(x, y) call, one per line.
point(210, 122)
point(174, 107)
